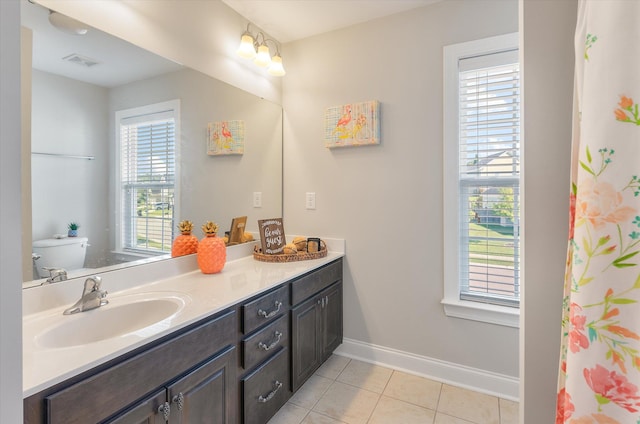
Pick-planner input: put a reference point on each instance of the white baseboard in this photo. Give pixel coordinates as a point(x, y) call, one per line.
point(491, 383)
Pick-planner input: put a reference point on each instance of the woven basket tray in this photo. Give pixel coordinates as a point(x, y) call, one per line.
point(300, 256)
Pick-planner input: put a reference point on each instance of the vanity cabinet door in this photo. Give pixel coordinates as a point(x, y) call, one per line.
point(331, 329)
point(144, 412)
point(206, 394)
point(316, 330)
point(305, 333)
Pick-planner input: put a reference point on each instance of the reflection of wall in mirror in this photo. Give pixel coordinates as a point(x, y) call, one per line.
point(217, 188)
point(70, 117)
point(67, 118)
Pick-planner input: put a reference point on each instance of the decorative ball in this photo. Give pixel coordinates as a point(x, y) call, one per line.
point(290, 249)
point(301, 243)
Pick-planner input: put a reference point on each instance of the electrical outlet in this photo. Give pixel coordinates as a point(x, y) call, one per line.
point(257, 199)
point(310, 200)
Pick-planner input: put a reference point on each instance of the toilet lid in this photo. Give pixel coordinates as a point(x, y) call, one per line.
point(59, 242)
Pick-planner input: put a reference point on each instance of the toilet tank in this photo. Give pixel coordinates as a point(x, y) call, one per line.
point(67, 253)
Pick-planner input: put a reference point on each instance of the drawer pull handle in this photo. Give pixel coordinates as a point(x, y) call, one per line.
point(179, 399)
point(270, 396)
point(273, 313)
point(273, 344)
point(165, 410)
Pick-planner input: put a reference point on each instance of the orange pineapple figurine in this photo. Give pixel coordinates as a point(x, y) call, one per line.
point(185, 243)
point(212, 252)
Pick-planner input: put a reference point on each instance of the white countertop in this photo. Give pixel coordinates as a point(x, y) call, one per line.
point(200, 295)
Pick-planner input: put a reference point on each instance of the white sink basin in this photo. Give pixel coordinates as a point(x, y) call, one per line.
point(141, 314)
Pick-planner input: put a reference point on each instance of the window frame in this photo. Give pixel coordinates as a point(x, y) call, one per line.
point(452, 303)
point(155, 108)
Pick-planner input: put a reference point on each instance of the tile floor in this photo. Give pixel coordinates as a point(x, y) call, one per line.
point(346, 391)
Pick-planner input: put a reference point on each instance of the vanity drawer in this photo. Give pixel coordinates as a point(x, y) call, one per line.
point(310, 284)
point(266, 389)
point(265, 309)
point(259, 346)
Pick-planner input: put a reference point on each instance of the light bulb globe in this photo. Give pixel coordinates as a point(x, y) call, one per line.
point(246, 48)
point(263, 59)
point(276, 68)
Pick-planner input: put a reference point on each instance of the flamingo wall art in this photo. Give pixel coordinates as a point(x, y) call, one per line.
point(225, 138)
point(354, 124)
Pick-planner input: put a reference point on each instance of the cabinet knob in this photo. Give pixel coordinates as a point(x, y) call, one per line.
point(179, 399)
point(165, 410)
point(273, 313)
point(276, 386)
point(278, 336)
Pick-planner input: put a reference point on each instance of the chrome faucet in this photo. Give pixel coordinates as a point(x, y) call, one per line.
point(55, 274)
point(92, 297)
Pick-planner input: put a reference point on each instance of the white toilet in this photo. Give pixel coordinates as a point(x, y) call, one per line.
point(67, 253)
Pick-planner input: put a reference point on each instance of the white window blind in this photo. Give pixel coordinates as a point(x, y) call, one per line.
point(489, 178)
point(148, 181)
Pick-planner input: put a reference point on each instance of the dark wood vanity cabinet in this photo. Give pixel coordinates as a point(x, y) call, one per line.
point(198, 361)
point(264, 380)
point(240, 365)
point(203, 395)
point(316, 323)
point(316, 330)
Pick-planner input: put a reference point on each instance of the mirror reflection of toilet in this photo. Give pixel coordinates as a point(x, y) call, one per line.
point(68, 253)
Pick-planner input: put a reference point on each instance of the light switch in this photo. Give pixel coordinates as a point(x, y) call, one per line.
point(257, 199)
point(310, 202)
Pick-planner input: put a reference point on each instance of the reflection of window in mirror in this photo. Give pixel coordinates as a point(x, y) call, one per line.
point(147, 186)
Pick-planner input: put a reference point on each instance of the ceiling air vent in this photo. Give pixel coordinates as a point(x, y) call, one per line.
point(81, 60)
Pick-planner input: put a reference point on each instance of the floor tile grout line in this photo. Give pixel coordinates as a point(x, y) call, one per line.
point(342, 369)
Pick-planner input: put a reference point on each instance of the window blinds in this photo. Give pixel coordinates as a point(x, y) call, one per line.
point(148, 180)
point(489, 174)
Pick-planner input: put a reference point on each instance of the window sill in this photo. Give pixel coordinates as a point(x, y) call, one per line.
point(475, 311)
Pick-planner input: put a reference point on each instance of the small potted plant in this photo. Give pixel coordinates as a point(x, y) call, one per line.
point(73, 229)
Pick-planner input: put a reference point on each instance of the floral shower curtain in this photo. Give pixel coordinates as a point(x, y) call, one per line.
point(599, 377)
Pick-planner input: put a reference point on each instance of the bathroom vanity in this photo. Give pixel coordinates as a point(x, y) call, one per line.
point(239, 361)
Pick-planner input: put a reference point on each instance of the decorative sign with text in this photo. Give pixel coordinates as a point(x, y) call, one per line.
point(272, 236)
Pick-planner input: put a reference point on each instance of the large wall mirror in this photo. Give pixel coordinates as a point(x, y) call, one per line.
point(79, 83)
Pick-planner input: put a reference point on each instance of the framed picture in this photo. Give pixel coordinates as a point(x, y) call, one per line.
point(225, 138)
point(272, 236)
point(353, 124)
point(237, 229)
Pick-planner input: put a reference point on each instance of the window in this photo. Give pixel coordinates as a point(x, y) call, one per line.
point(482, 180)
point(147, 195)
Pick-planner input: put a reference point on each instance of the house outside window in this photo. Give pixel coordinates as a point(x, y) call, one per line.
point(147, 177)
point(482, 180)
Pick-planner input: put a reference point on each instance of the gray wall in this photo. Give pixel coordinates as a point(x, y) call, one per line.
point(10, 216)
point(548, 74)
point(70, 117)
point(386, 200)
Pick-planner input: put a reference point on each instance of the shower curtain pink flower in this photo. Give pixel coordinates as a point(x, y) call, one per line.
point(599, 378)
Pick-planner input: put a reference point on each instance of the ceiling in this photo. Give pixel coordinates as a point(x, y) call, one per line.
point(291, 20)
point(119, 62)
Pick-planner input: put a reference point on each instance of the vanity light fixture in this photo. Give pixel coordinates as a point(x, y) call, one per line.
point(256, 48)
